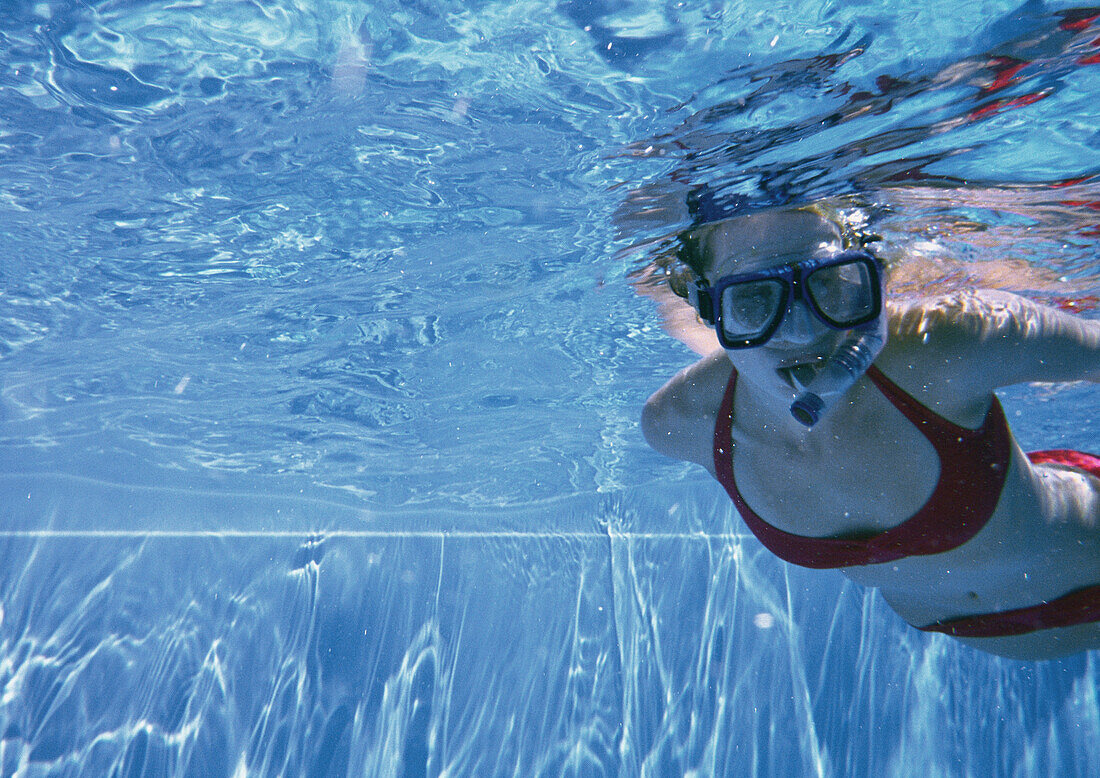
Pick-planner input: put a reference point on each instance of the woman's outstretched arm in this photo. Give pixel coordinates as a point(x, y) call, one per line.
point(987, 339)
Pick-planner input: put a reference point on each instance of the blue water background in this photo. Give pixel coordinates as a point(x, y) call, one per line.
point(320, 367)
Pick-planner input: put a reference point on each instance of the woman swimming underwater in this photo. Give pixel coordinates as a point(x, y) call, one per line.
point(864, 435)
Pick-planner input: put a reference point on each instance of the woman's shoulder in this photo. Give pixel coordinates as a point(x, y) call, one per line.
point(990, 325)
point(964, 313)
point(678, 417)
point(956, 348)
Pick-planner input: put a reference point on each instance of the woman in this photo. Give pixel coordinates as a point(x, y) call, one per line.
point(901, 473)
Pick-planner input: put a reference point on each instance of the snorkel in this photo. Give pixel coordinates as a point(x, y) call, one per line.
point(851, 359)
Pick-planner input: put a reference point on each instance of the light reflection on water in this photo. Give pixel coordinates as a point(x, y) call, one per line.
point(608, 652)
point(319, 382)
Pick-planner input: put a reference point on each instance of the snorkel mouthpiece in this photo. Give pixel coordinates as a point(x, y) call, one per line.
point(807, 408)
point(851, 360)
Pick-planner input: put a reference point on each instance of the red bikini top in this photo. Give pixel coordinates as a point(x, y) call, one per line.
point(973, 468)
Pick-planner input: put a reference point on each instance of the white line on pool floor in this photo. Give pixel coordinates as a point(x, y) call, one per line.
point(366, 534)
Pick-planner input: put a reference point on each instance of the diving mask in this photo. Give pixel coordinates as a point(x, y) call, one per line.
point(843, 291)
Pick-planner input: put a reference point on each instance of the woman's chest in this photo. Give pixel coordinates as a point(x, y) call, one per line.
point(830, 481)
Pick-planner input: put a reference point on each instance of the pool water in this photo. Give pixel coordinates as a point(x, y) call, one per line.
point(321, 364)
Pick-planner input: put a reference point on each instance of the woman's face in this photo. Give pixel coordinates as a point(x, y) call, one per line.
point(761, 241)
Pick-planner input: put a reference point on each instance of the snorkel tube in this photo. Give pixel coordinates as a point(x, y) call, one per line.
point(851, 360)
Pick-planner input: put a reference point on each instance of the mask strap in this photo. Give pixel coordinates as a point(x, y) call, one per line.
point(699, 296)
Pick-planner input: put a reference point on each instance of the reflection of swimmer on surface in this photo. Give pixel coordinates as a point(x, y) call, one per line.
point(908, 479)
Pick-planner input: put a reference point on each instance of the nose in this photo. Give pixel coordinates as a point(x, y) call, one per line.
point(799, 326)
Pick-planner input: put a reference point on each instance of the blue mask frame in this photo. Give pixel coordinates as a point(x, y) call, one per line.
point(707, 299)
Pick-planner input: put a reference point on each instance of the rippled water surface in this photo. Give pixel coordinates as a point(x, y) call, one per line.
point(320, 365)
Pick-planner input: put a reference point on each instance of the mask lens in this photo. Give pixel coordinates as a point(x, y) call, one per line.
point(844, 293)
point(749, 309)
